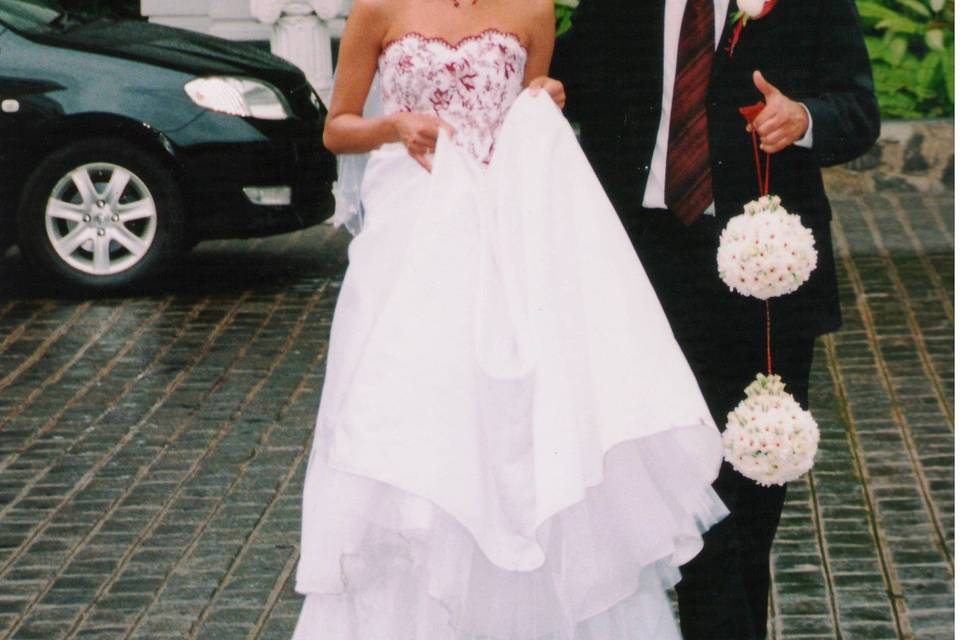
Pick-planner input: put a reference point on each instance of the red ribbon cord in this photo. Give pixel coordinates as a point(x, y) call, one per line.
point(766, 304)
point(756, 159)
point(766, 182)
point(763, 177)
point(750, 113)
point(765, 190)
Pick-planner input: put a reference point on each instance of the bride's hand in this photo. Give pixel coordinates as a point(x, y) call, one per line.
point(554, 89)
point(418, 132)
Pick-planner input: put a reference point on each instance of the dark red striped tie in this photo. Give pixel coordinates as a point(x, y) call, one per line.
point(689, 187)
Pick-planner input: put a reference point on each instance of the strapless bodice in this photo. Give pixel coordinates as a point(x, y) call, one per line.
point(470, 84)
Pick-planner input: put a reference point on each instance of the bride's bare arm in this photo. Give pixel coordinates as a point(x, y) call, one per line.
point(346, 130)
point(540, 51)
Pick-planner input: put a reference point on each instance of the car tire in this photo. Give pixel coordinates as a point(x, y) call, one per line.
point(101, 215)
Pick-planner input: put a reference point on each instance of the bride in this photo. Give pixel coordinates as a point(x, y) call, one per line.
point(510, 445)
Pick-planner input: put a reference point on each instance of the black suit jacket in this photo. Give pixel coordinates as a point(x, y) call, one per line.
point(611, 62)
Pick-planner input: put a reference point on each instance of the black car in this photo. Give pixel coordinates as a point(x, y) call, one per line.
point(124, 143)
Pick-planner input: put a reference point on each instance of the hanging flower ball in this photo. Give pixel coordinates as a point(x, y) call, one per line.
point(766, 252)
point(769, 437)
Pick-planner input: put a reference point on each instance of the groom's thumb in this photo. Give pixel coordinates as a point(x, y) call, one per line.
point(764, 87)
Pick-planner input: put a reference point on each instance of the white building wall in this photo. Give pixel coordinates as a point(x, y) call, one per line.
point(229, 19)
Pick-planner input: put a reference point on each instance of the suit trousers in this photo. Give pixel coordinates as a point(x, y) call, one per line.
point(723, 593)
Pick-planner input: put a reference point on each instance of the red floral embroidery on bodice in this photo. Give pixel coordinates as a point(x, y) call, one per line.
point(470, 85)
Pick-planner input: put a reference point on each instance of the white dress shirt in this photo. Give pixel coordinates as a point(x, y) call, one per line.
point(653, 196)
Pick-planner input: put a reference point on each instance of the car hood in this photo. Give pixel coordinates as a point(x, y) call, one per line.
point(182, 50)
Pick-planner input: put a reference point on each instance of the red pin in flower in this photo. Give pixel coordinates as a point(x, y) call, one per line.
point(747, 10)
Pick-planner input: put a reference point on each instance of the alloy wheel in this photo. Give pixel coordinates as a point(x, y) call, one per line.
point(101, 218)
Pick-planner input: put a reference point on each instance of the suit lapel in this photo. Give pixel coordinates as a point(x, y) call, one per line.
point(722, 57)
point(654, 24)
point(645, 26)
point(639, 27)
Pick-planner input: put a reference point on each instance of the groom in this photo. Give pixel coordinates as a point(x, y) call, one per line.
point(655, 86)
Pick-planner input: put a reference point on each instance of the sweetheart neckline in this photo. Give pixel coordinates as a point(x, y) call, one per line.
point(455, 46)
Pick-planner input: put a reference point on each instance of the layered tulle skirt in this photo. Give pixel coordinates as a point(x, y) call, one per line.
point(510, 444)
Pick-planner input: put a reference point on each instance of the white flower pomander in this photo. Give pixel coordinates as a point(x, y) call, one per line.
point(752, 8)
point(766, 252)
point(769, 437)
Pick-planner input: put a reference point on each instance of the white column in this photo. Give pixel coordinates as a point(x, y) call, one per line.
point(302, 35)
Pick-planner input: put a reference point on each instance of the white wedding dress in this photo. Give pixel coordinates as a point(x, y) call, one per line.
point(510, 444)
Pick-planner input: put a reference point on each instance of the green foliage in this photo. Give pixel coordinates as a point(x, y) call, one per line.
point(911, 48)
point(564, 9)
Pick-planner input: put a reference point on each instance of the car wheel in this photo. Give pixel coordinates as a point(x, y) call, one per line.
point(101, 215)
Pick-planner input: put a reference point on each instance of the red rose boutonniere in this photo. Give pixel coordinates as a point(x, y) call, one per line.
point(747, 10)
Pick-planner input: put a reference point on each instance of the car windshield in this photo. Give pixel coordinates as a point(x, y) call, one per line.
point(34, 17)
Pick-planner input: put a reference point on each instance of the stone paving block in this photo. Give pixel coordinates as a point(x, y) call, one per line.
point(41, 631)
point(279, 628)
point(169, 508)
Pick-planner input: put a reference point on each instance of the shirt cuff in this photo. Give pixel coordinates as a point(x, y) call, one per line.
point(807, 140)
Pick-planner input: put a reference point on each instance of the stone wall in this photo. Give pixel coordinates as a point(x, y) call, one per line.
point(911, 156)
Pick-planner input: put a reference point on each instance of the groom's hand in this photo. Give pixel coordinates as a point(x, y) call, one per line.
point(782, 122)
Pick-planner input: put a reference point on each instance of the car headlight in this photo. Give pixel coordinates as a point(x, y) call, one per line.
point(239, 97)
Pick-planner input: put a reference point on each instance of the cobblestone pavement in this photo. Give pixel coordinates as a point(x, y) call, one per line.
point(152, 449)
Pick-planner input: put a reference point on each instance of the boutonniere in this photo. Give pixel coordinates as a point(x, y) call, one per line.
point(748, 10)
